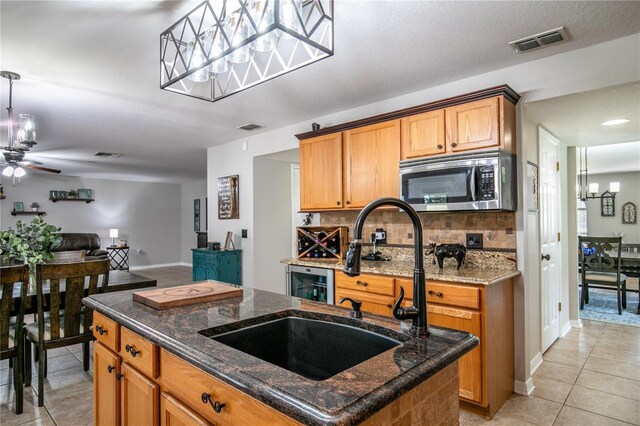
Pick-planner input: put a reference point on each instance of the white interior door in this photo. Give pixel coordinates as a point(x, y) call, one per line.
point(549, 238)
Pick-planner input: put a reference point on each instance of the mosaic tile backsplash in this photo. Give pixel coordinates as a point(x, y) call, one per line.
point(498, 228)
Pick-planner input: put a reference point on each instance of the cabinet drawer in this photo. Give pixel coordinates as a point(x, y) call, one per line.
point(106, 331)
point(198, 258)
point(373, 303)
point(445, 294)
point(239, 409)
point(140, 353)
point(366, 283)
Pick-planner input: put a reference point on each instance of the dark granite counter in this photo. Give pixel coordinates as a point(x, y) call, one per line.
point(486, 275)
point(346, 398)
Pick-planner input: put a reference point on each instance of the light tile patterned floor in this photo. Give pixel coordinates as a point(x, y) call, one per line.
point(590, 377)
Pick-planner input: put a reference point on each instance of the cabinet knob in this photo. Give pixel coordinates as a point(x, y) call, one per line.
point(389, 305)
point(216, 405)
point(338, 203)
point(118, 376)
point(100, 330)
point(110, 368)
point(439, 146)
point(433, 293)
point(348, 202)
point(454, 144)
point(131, 350)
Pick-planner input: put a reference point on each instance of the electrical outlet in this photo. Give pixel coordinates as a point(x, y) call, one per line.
point(244, 233)
point(474, 241)
point(381, 236)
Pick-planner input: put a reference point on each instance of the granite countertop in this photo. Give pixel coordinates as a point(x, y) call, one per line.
point(346, 398)
point(404, 268)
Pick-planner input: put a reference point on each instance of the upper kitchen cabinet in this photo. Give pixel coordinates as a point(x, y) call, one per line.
point(487, 123)
point(371, 163)
point(321, 172)
point(423, 135)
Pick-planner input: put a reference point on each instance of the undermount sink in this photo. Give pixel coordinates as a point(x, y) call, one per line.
point(312, 348)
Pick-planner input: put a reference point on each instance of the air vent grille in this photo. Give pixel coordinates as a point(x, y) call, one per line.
point(108, 154)
point(539, 40)
point(249, 126)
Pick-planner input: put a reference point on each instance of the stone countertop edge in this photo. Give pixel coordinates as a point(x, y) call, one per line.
point(398, 268)
point(304, 411)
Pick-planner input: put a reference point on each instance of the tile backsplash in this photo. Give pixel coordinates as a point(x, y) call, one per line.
point(498, 228)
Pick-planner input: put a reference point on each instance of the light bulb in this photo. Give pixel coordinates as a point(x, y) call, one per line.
point(593, 188)
point(614, 187)
point(615, 122)
point(197, 58)
point(237, 31)
point(215, 42)
point(289, 11)
point(19, 172)
point(262, 13)
point(8, 171)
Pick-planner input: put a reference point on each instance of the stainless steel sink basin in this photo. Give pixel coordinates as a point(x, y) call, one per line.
point(312, 348)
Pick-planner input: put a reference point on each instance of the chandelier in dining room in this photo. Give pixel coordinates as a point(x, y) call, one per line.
point(222, 47)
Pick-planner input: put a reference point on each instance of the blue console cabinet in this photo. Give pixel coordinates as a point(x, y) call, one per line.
point(225, 266)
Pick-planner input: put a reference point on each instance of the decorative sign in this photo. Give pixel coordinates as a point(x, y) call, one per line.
point(629, 213)
point(228, 197)
point(532, 185)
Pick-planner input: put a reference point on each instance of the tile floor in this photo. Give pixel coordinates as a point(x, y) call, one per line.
point(590, 377)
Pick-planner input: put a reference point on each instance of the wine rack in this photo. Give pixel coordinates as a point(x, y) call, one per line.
point(322, 242)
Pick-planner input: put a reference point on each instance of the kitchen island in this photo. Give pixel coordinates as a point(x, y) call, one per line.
point(166, 361)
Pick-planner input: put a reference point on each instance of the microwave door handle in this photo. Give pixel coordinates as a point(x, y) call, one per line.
point(472, 184)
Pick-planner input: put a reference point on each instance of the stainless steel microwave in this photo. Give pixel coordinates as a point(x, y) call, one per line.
point(473, 181)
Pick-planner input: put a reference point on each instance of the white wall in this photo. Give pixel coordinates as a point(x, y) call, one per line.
point(189, 192)
point(272, 223)
point(595, 67)
point(609, 226)
point(147, 215)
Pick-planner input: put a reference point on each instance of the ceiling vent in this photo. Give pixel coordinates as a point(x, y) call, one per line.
point(539, 40)
point(108, 155)
point(249, 126)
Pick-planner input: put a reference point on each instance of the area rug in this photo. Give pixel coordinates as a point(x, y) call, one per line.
point(603, 306)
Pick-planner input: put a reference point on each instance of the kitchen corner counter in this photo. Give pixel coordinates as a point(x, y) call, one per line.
point(402, 268)
point(347, 398)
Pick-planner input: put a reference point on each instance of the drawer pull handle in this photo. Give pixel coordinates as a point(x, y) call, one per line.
point(362, 283)
point(433, 293)
point(217, 406)
point(110, 368)
point(131, 350)
point(100, 330)
point(439, 146)
point(119, 376)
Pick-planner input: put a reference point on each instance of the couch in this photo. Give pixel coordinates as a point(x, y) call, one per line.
point(87, 243)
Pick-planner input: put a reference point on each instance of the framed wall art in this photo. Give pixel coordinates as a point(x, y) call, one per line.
point(18, 206)
point(228, 197)
point(196, 215)
point(533, 198)
point(629, 213)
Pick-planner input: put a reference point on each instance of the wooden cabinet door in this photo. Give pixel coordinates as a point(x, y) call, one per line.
point(372, 303)
point(470, 365)
point(175, 413)
point(106, 388)
point(321, 172)
point(473, 125)
point(139, 398)
point(371, 163)
point(422, 135)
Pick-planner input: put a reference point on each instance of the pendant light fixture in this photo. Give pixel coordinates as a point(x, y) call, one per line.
point(585, 188)
point(222, 47)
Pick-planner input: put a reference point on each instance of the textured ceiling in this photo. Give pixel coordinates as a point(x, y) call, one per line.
point(91, 72)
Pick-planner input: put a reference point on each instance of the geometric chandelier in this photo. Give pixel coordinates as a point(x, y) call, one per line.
point(225, 46)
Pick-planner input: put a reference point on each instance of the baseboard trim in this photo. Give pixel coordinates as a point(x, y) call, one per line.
point(157, 265)
point(524, 388)
point(566, 328)
point(576, 323)
point(535, 362)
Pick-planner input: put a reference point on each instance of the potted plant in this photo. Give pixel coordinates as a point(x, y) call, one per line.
point(72, 194)
point(35, 206)
point(30, 244)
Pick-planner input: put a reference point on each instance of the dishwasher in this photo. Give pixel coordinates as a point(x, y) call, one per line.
point(310, 283)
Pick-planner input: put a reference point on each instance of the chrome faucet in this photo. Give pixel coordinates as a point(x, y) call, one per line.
point(417, 312)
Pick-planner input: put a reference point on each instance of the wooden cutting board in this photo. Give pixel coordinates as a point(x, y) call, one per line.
point(200, 292)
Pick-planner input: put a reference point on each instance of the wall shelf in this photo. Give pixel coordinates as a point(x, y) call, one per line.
point(86, 200)
point(38, 213)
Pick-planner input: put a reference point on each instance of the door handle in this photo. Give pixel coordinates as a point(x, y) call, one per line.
point(546, 257)
point(473, 183)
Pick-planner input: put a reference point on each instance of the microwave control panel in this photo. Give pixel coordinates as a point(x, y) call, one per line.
point(487, 183)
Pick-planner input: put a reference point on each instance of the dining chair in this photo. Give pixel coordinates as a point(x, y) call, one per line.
point(600, 267)
point(67, 321)
point(11, 342)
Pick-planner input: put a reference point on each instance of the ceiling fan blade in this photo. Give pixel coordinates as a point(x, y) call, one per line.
point(44, 169)
point(32, 162)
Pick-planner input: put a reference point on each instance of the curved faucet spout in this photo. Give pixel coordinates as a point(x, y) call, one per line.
point(417, 312)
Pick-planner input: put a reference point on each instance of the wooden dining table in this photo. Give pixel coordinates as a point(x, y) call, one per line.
point(118, 281)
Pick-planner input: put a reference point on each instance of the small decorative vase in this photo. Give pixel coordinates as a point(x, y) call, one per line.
point(32, 282)
point(34, 209)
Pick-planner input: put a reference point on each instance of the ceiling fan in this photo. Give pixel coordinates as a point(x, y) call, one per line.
point(25, 138)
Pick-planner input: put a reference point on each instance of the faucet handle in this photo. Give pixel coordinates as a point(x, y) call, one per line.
point(402, 313)
point(355, 306)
